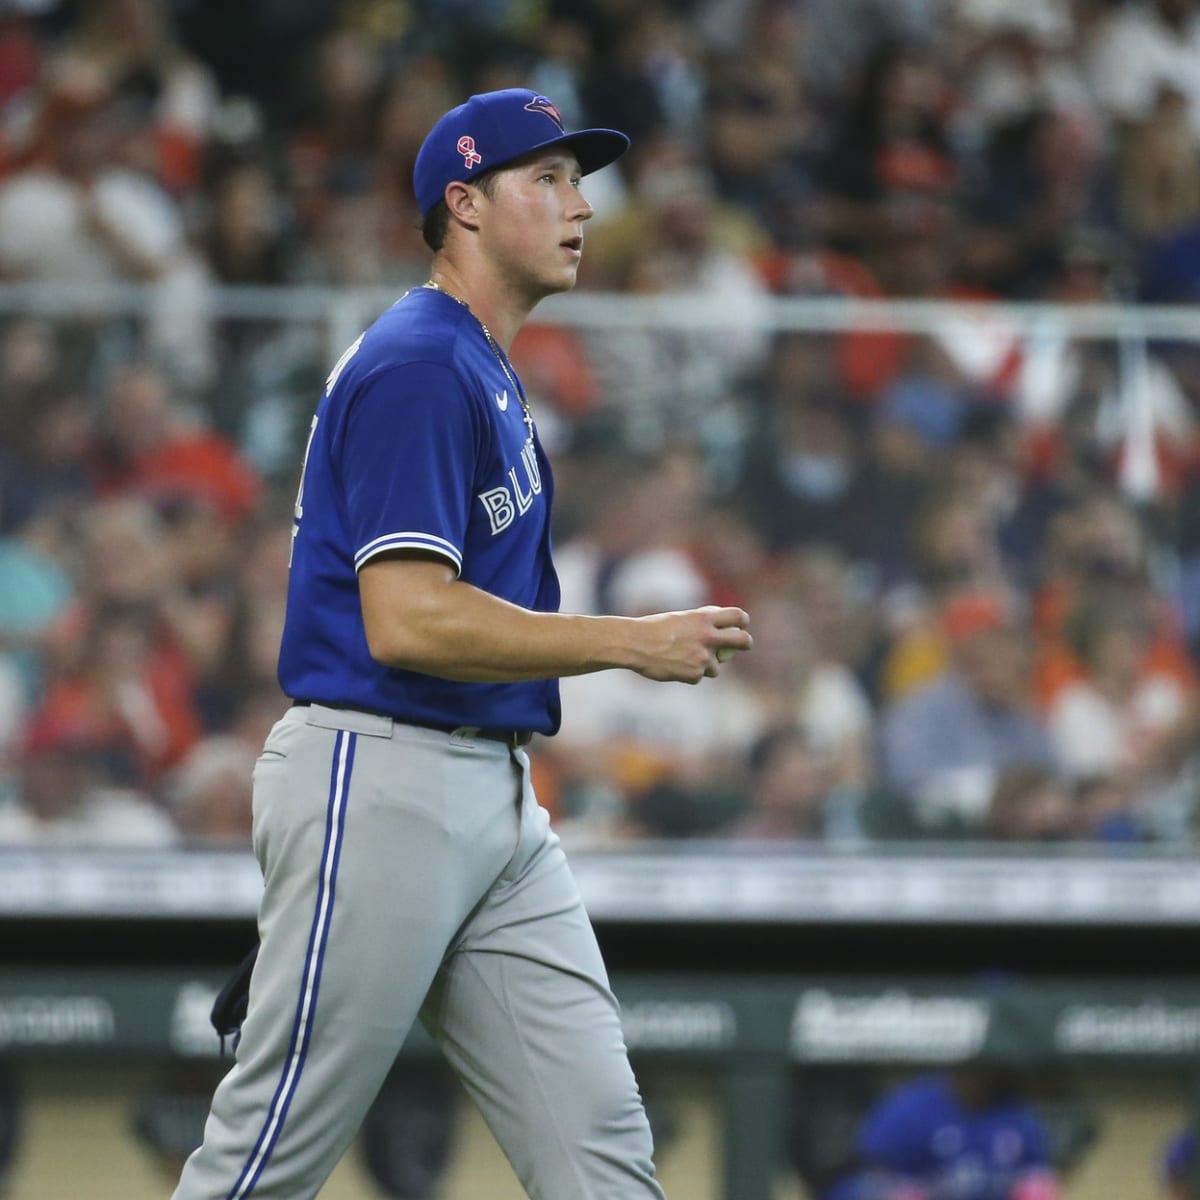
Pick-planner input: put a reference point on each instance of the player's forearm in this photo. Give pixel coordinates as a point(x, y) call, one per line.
point(418, 617)
point(474, 637)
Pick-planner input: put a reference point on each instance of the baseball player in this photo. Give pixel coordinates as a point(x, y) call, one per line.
point(408, 869)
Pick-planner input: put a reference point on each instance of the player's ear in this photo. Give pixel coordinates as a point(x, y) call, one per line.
point(463, 202)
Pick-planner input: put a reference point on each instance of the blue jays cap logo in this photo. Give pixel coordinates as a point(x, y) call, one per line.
point(542, 105)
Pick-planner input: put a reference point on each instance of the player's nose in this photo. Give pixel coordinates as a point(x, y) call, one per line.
point(581, 210)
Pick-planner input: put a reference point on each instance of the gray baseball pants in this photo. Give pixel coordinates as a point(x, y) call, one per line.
point(410, 873)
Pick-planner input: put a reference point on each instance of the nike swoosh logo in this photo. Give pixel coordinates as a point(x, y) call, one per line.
point(502, 400)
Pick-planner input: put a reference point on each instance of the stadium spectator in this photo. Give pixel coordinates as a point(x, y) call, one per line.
point(1016, 59)
point(149, 446)
point(123, 658)
point(133, 47)
point(1136, 49)
point(238, 692)
point(889, 173)
point(1098, 552)
point(1032, 804)
point(1160, 170)
point(208, 795)
point(943, 745)
point(86, 208)
point(1048, 177)
point(1107, 810)
point(729, 551)
point(834, 596)
point(1127, 716)
point(955, 550)
point(337, 119)
point(552, 364)
point(675, 237)
point(855, 483)
point(35, 589)
point(661, 759)
point(562, 58)
point(761, 131)
point(128, 693)
point(71, 793)
point(802, 478)
point(656, 49)
point(620, 508)
point(245, 240)
point(844, 34)
point(349, 241)
point(957, 544)
point(790, 795)
point(802, 683)
point(905, 446)
point(412, 101)
point(22, 60)
point(44, 469)
point(42, 421)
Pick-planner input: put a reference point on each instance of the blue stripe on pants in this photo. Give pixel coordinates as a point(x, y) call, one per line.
point(310, 979)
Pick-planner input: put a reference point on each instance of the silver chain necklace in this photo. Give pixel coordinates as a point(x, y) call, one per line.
point(527, 416)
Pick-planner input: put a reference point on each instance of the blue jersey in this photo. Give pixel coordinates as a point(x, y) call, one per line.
point(418, 443)
point(921, 1134)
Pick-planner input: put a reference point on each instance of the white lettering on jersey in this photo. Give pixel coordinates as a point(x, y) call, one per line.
point(312, 429)
point(524, 499)
point(340, 365)
point(503, 504)
point(298, 512)
point(529, 458)
point(499, 506)
point(338, 368)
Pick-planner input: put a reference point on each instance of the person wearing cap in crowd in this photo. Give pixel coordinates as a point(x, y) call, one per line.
point(408, 867)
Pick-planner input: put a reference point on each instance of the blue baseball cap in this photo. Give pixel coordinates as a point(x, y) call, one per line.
point(495, 128)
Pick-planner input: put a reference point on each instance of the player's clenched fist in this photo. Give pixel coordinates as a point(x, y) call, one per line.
point(684, 647)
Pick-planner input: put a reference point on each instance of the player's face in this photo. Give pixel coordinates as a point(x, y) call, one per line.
point(533, 228)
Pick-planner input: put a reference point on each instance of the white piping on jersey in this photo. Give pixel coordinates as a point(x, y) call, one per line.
point(410, 540)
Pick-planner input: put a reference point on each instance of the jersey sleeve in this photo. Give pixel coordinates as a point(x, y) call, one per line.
point(408, 463)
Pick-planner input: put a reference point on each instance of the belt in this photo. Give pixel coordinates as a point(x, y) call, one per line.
point(514, 739)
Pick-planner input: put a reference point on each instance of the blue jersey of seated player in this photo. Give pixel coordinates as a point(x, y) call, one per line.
point(920, 1141)
point(418, 444)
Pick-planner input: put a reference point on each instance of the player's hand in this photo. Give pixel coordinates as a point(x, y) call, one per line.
point(685, 647)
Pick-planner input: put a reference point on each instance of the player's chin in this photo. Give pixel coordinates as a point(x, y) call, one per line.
point(562, 280)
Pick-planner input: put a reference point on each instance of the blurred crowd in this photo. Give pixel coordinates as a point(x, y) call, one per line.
point(972, 557)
